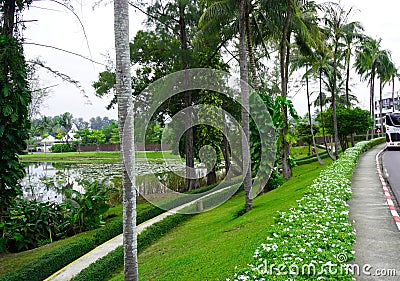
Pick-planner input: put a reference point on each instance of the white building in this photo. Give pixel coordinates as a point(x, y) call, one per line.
point(388, 105)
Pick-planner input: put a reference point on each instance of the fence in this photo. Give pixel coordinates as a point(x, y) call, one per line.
point(117, 147)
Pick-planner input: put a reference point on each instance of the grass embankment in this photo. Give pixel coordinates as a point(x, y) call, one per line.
point(302, 151)
point(210, 245)
point(90, 157)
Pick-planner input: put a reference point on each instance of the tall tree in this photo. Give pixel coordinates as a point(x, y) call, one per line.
point(367, 59)
point(189, 149)
point(385, 69)
point(125, 105)
point(352, 35)
point(337, 22)
point(14, 102)
point(245, 105)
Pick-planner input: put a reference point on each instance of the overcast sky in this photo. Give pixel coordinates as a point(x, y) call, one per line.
point(58, 27)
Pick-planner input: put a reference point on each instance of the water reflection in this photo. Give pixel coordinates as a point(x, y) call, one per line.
point(48, 181)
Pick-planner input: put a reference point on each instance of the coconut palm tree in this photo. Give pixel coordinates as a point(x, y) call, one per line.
point(385, 70)
point(368, 57)
point(245, 104)
point(221, 17)
point(337, 26)
point(352, 35)
point(125, 105)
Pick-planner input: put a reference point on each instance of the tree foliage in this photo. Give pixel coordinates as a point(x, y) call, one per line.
point(14, 125)
point(350, 120)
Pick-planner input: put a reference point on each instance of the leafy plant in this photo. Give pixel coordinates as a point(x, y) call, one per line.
point(28, 224)
point(62, 147)
point(89, 207)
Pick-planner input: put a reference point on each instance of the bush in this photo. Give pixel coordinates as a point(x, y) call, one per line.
point(28, 224)
point(51, 262)
point(316, 235)
point(62, 147)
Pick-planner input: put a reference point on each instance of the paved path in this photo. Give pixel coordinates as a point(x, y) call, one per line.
point(83, 262)
point(377, 245)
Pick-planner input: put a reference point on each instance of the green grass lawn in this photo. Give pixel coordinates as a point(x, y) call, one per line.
point(301, 151)
point(89, 157)
point(211, 244)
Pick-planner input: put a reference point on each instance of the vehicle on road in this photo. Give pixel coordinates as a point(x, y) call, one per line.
point(392, 125)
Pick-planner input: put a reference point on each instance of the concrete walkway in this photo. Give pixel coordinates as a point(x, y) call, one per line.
point(377, 247)
point(83, 262)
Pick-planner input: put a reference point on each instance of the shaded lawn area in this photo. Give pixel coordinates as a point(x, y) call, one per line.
point(211, 244)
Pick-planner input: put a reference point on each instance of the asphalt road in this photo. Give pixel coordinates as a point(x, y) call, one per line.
point(391, 165)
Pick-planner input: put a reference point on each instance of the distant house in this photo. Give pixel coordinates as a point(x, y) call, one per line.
point(46, 144)
point(70, 136)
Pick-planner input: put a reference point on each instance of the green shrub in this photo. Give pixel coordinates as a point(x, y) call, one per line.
point(114, 228)
point(51, 262)
point(103, 267)
point(27, 224)
point(62, 147)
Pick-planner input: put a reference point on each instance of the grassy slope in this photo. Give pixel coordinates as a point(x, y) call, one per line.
point(301, 151)
point(210, 245)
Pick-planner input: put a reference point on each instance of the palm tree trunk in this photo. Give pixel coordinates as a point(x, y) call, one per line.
point(309, 119)
point(245, 106)
point(393, 93)
point(124, 96)
point(286, 168)
point(251, 52)
point(372, 105)
point(190, 182)
point(335, 125)
point(348, 89)
point(322, 118)
point(225, 144)
point(380, 105)
point(347, 80)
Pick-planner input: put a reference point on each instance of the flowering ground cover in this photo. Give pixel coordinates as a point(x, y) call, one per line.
point(314, 240)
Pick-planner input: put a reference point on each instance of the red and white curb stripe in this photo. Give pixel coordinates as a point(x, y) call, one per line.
point(389, 200)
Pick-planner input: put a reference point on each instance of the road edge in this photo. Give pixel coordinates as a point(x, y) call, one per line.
point(385, 188)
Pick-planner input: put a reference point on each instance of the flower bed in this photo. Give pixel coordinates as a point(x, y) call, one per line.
point(315, 239)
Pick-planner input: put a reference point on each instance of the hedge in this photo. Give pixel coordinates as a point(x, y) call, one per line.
point(105, 266)
point(314, 240)
point(57, 259)
point(51, 262)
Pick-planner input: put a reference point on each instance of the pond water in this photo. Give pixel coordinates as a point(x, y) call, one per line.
point(48, 181)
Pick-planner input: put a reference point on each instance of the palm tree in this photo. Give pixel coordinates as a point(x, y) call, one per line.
point(385, 70)
point(125, 105)
point(286, 19)
point(352, 35)
point(338, 26)
point(221, 17)
point(367, 59)
point(395, 74)
point(245, 104)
